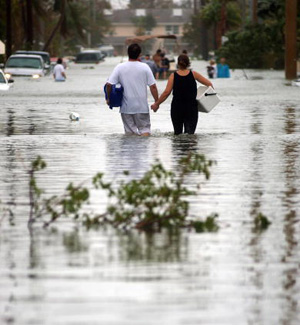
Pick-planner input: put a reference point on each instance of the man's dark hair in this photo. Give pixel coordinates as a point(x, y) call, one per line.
point(134, 50)
point(59, 61)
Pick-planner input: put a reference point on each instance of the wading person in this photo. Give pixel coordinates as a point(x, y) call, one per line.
point(134, 76)
point(157, 61)
point(59, 71)
point(184, 111)
point(223, 70)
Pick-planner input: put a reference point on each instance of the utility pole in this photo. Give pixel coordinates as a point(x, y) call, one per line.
point(290, 39)
point(8, 43)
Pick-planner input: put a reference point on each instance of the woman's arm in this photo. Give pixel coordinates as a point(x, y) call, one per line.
point(202, 79)
point(165, 93)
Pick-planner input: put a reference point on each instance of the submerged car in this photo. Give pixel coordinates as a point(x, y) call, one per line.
point(24, 65)
point(44, 55)
point(89, 56)
point(4, 83)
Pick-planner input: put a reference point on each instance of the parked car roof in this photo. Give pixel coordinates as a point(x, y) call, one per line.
point(25, 56)
point(44, 55)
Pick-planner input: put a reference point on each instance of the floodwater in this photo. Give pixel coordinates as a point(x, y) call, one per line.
point(67, 275)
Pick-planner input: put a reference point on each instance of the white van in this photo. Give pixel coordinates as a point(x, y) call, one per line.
point(24, 65)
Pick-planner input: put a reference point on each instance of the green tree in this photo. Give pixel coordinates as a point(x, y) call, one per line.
point(219, 15)
point(192, 33)
point(222, 15)
point(260, 45)
point(74, 20)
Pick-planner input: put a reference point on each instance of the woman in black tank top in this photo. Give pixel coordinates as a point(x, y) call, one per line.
point(184, 112)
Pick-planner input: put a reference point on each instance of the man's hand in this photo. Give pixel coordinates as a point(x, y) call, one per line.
point(154, 107)
point(108, 91)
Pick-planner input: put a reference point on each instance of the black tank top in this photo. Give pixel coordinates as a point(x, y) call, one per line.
point(184, 87)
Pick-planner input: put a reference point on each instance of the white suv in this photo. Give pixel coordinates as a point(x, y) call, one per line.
point(24, 65)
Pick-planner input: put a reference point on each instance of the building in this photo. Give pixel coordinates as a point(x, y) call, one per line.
point(131, 22)
point(2, 48)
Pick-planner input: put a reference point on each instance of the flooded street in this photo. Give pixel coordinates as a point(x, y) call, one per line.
point(67, 275)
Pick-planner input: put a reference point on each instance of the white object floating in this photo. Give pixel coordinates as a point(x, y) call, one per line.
point(207, 99)
point(74, 116)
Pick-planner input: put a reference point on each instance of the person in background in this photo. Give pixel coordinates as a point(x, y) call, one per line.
point(184, 52)
point(134, 76)
point(211, 69)
point(184, 110)
point(223, 69)
point(59, 71)
point(165, 65)
point(150, 63)
point(157, 61)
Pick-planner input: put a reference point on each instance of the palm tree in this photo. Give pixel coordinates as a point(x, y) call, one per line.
point(222, 15)
point(59, 5)
point(76, 18)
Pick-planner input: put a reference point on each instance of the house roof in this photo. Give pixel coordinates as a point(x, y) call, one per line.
point(162, 16)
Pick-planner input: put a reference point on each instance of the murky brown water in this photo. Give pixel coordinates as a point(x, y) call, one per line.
point(67, 275)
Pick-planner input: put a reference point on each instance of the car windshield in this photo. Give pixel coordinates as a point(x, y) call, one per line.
point(45, 58)
point(24, 62)
point(2, 80)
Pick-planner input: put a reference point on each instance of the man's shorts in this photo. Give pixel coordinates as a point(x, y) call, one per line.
point(136, 123)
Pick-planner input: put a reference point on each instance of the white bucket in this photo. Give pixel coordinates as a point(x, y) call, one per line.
point(207, 99)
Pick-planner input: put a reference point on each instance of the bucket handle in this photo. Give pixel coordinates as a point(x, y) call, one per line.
point(211, 94)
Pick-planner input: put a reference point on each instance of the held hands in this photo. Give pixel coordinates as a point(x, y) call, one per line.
point(154, 107)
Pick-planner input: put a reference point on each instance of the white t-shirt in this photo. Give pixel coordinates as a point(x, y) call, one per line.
point(134, 76)
point(57, 71)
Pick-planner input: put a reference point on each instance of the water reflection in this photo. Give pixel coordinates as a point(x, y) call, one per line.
point(10, 128)
point(73, 241)
point(291, 171)
point(163, 247)
point(182, 144)
point(131, 153)
point(92, 277)
point(34, 250)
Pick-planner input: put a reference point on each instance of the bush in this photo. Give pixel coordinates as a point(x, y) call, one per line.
point(155, 201)
point(256, 46)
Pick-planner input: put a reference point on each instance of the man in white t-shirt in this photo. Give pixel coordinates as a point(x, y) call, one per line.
point(134, 76)
point(59, 71)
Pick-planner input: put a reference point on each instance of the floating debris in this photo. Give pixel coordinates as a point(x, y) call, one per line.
point(74, 116)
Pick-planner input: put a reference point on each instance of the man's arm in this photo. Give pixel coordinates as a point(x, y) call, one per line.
point(154, 92)
point(165, 93)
